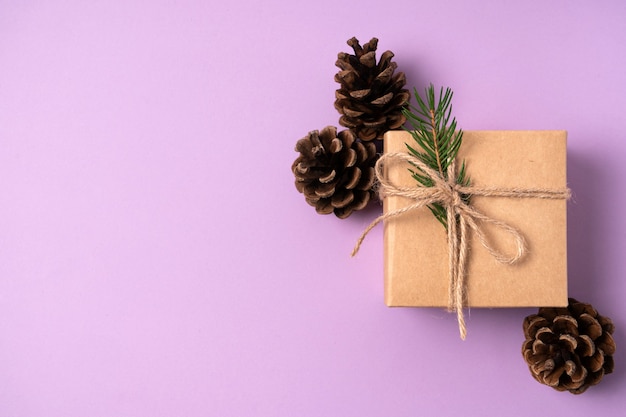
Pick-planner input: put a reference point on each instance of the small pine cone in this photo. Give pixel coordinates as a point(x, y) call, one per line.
point(569, 348)
point(370, 98)
point(335, 172)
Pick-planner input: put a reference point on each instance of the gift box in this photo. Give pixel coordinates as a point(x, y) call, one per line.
point(416, 246)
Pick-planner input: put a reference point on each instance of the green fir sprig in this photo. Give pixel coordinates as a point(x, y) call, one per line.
point(435, 131)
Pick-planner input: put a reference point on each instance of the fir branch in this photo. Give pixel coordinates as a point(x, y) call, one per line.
point(435, 131)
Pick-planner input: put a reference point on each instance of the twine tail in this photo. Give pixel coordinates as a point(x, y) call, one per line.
point(456, 259)
point(460, 318)
point(461, 275)
point(361, 238)
point(452, 257)
point(381, 218)
point(369, 228)
point(457, 252)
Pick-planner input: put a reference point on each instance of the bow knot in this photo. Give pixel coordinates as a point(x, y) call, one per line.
point(453, 196)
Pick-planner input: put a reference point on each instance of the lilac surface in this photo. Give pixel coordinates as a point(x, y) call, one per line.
point(156, 259)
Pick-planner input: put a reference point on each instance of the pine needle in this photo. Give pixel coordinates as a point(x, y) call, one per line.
point(435, 132)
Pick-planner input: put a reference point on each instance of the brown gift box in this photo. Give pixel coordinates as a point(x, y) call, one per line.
point(416, 249)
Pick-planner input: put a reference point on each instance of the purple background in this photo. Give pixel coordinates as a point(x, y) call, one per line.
point(156, 259)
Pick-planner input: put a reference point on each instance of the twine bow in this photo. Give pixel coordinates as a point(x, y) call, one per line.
point(461, 218)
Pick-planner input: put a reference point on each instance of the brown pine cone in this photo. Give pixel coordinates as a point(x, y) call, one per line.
point(335, 172)
point(370, 98)
point(569, 348)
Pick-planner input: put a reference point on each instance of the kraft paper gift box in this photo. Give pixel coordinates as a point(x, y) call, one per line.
point(415, 243)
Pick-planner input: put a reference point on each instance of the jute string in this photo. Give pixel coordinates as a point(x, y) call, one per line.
point(461, 218)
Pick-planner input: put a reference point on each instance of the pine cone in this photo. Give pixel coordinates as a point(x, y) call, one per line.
point(371, 97)
point(569, 348)
point(335, 172)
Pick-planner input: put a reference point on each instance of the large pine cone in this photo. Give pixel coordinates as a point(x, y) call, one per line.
point(335, 172)
point(569, 348)
point(371, 97)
